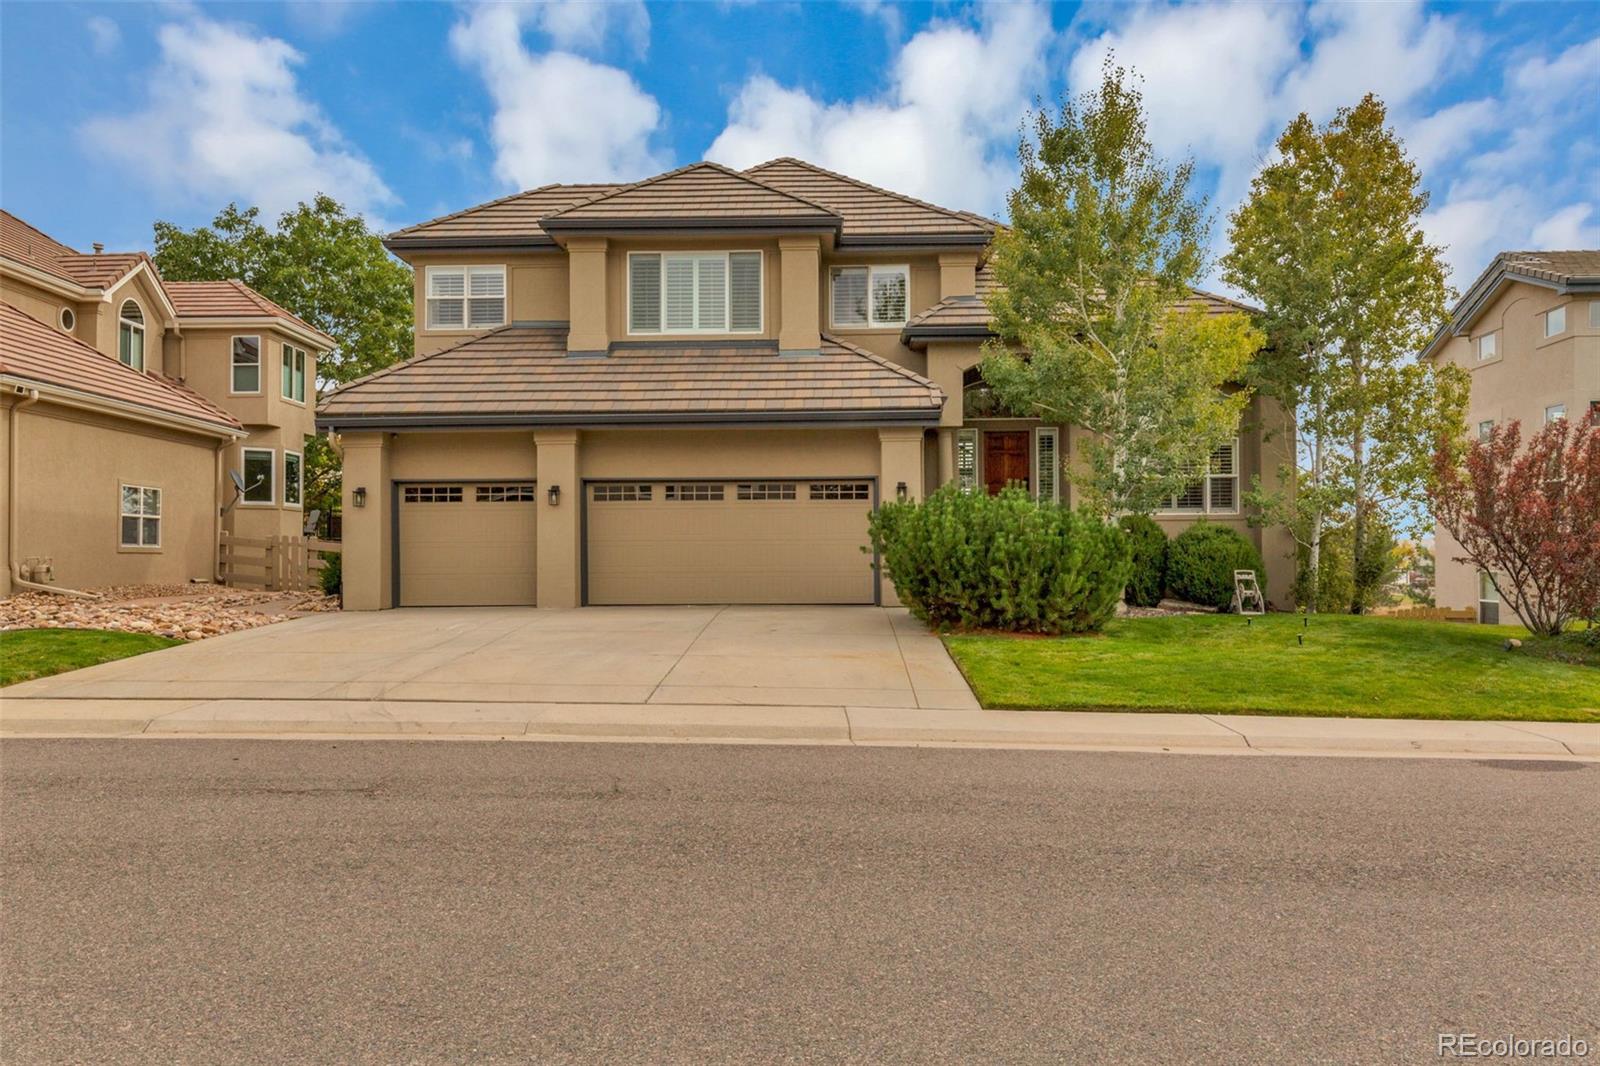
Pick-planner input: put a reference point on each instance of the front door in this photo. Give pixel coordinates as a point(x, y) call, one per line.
point(1005, 459)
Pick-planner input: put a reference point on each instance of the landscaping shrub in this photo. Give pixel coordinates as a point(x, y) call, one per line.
point(332, 575)
point(1201, 561)
point(973, 561)
point(1148, 582)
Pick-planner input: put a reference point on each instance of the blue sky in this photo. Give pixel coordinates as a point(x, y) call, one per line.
point(118, 114)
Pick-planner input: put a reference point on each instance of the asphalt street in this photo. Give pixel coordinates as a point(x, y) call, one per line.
point(438, 902)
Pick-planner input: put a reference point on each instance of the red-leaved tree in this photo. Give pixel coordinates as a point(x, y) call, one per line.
point(1529, 517)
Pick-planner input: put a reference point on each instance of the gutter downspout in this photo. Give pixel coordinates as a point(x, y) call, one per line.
point(216, 512)
point(12, 509)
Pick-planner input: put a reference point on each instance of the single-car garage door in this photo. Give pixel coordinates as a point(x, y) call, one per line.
point(756, 541)
point(466, 544)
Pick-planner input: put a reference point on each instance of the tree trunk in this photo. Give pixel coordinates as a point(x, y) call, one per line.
point(1314, 552)
point(1358, 472)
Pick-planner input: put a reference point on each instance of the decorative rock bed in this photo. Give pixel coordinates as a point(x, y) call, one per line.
point(185, 612)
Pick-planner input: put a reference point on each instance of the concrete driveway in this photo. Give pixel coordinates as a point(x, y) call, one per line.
point(771, 656)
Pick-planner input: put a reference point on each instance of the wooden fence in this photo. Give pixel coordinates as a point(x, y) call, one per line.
point(1429, 614)
point(284, 563)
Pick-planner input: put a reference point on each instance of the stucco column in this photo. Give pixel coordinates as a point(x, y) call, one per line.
point(800, 268)
point(557, 581)
point(586, 288)
point(958, 274)
point(948, 363)
point(367, 537)
point(947, 456)
point(900, 462)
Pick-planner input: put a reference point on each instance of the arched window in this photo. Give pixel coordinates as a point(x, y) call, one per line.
point(130, 335)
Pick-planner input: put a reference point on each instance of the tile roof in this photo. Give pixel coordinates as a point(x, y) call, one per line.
point(35, 352)
point(968, 316)
point(229, 299)
point(1558, 267)
point(702, 194)
point(510, 219)
point(1565, 271)
point(872, 214)
point(523, 375)
point(35, 248)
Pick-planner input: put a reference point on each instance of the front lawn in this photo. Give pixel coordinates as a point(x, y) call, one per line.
point(29, 653)
point(1361, 667)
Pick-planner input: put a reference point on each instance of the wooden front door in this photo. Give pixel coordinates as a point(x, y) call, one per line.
point(1005, 459)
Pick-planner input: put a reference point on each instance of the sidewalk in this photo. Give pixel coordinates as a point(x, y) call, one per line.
point(45, 716)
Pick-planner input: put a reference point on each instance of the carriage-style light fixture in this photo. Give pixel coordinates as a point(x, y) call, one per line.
point(555, 495)
point(358, 496)
point(900, 491)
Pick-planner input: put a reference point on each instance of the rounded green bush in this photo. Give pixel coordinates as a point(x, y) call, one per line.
point(1201, 561)
point(973, 561)
point(332, 576)
point(1148, 541)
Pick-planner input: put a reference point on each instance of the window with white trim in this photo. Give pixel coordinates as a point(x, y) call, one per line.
point(466, 297)
point(258, 475)
point(694, 292)
point(1047, 463)
point(1555, 321)
point(1486, 430)
point(293, 478)
point(1488, 346)
point(130, 335)
point(246, 365)
point(967, 459)
point(1555, 413)
point(1215, 493)
point(1488, 600)
point(294, 373)
point(869, 297)
point(141, 517)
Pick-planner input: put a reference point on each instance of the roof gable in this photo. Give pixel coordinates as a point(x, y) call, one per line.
point(872, 214)
point(34, 248)
point(702, 195)
point(1564, 271)
point(200, 300)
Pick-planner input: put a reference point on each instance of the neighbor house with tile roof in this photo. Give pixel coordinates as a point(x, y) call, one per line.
point(694, 389)
point(1527, 332)
point(127, 403)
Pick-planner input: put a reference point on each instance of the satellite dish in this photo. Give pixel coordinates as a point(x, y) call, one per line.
point(238, 479)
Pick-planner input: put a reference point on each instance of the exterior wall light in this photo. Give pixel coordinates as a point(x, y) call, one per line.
point(358, 496)
point(555, 495)
point(900, 491)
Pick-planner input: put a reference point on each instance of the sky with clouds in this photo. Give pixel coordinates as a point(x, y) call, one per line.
point(119, 114)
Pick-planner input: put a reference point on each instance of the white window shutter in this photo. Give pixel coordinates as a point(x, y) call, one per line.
point(1047, 454)
point(850, 296)
point(680, 294)
point(888, 297)
point(447, 291)
point(712, 286)
point(644, 294)
point(967, 459)
point(744, 292)
point(486, 304)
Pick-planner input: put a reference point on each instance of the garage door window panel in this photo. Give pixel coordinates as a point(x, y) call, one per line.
point(433, 494)
point(523, 493)
point(622, 493)
point(695, 492)
point(840, 490)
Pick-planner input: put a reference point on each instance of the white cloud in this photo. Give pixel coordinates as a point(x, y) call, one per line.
point(1449, 132)
point(227, 120)
point(1568, 228)
point(945, 129)
point(1396, 50)
point(1576, 68)
point(558, 116)
point(585, 25)
point(104, 35)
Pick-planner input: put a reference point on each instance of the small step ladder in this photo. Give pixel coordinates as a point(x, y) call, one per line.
point(1247, 599)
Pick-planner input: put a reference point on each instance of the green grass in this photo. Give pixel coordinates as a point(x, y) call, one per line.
point(1357, 667)
point(29, 653)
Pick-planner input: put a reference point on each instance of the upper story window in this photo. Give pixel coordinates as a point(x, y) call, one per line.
point(294, 373)
point(1488, 346)
point(258, 475)
point(69, 319)
point(694, 292)
point(466, 297)
point(130, 335)
point(1486, 430)
point(870, 296)
point(1555, 321)
point(246, 365)
point(1555, 412)
point(1218, 491)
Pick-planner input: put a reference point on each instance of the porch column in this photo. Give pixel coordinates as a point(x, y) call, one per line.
point(900, 463)
point(586, 300)
point(367, 541)
point(557, 527)
point(947, 456)
point(800, 268)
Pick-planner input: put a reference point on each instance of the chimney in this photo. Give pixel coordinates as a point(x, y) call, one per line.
point(98, 247)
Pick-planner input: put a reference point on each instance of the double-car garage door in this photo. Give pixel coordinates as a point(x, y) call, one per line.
point(644, 542)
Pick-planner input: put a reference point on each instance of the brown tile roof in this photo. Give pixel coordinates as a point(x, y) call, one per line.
point(26, 244)
point(968, 316)
point(1565, 271)
point(872, 214)
point(523, 375)
point(230, 299)
point(702, 194)
point(33, 351)
point(509, 220)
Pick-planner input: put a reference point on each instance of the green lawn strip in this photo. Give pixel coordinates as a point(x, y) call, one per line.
point(1357, 667)
point(29, 653)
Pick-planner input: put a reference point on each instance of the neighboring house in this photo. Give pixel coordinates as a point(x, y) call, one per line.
point(691, 389)
point(1528, 334)
point(126, 400)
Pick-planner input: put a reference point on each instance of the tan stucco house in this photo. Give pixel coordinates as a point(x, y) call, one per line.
point(692, 389)
point(1528, 334)
point(125, 403)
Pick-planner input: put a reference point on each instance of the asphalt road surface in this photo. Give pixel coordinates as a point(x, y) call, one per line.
point(425, 902)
